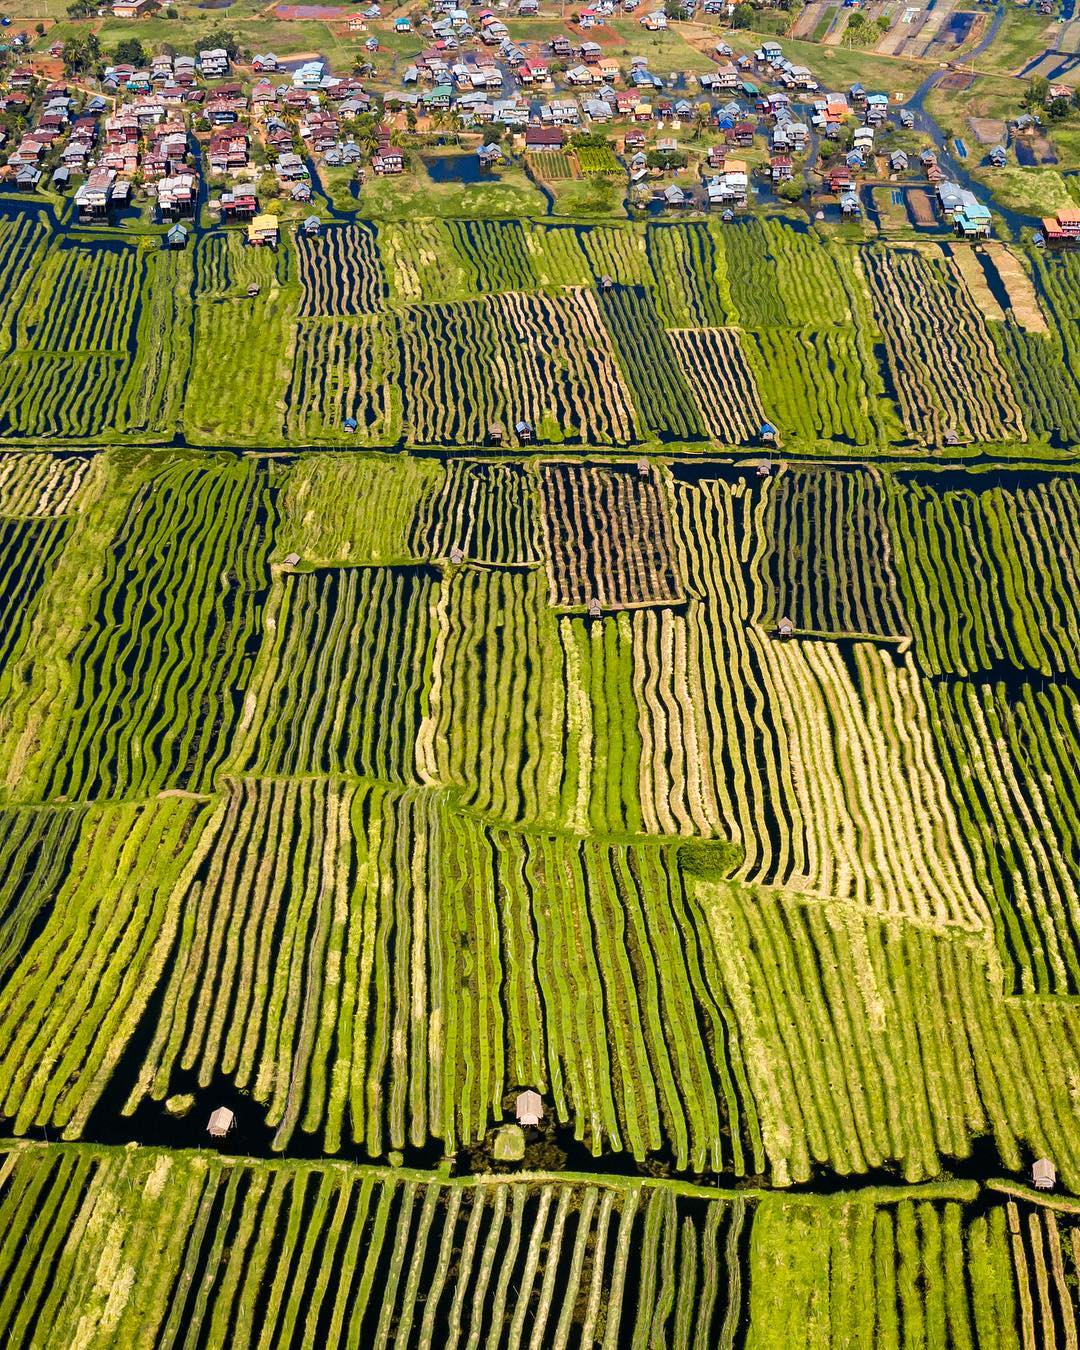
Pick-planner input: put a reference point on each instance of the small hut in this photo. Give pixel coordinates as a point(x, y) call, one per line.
point(222, 1121)
point(643, 468)
point(606, 283)
point(350, 424)
point(785, 628)
point(291, 559)
point(253, 290)
point(594, 609)
point(176, 237)
point(764, 468)
point(524, 432)
point(1044, 1175)
point(456, 555)
point(767, 433)
point(952, 436)
point(495, 433)
point(529, 1109)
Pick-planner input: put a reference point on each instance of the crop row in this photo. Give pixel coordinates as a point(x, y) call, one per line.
point(691, 283)
point(484, 513)
point(851, 1062)
point(544, 361)
point(340, 271)
point(607, 536)
point(477, 959)
point(828, 565)
point(948, 379)
point(780, 276)
point(148, 1248)
point(723, 382)
point(345, 370)
point(663, 397)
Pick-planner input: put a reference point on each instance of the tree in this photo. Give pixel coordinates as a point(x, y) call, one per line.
point(1037, 92)
point(82, 54)
point(39, 29)
point(223, 38)
point(743, 16)
point(1058, 108)
point(81, 9)
point(129, 52)
point(793, 189)
point(883, 22)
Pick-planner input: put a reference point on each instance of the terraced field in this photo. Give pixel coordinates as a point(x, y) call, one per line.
point(635, 664)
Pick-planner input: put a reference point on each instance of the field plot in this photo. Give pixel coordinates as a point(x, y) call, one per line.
point(618, 252)
point(553, 166)
point(988, 574)
point(830, 1007)
point(345, 369)
point(337, 684)
point(326, 1255)
point(690, 275)
point(542, 360)
point(948, 380)
point(340, 271)
point(828, 567)
point(819, 384)
point(494, 253)
point(723, 383)
point(781, 277)
point(38, 485)
point(597, 159)
point(485, 513)
point(1011, 753)
point(889, 1272)
point(663, 396)
point(339, 509)
point(150, 684)
point(608, 537)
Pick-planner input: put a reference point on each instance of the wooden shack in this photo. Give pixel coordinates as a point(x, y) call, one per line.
point(529, 1108)
point(222, 1121)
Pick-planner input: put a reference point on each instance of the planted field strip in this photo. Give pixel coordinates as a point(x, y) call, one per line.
point(340, 271)
point(828, 565)
point(422, 263)
point(663, 397)
point(339, 509)
point(852, 1272)
point(29, 550)
point(553, 166)
point(85, 299)
point(496, 709)
point(488, 512)
point(597, 159)
point(1044, 380)
point(541, 359)
point(92, 949)
point(618, 252)
point(780, 277)
point(556, 256)
point(225, 265)
point(151, 401)
point(530, 718)
point(470, 955)
point(314, 1254)
point(338, 681)
point(241, 368)
point(154, 681)
point(36, 853)
point(989, 576)
point(23, 246)
point(691, 282)
point(46, 396)
point(820, 385)
point(821, 768)
point(850, 1060)
point(1046, 1262)
point(945, 370)
point(345, 368)
point(607, 537)
point(1011, 757)
point(723, 383)
point(494, 253)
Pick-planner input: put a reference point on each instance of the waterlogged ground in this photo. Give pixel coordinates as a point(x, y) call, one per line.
point(719, 790)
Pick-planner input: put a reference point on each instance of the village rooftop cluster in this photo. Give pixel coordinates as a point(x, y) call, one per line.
point(197, 129)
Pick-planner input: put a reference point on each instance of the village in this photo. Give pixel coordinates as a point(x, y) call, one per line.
point(217, 134)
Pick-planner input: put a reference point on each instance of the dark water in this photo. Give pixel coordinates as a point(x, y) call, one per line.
point(457, 169)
